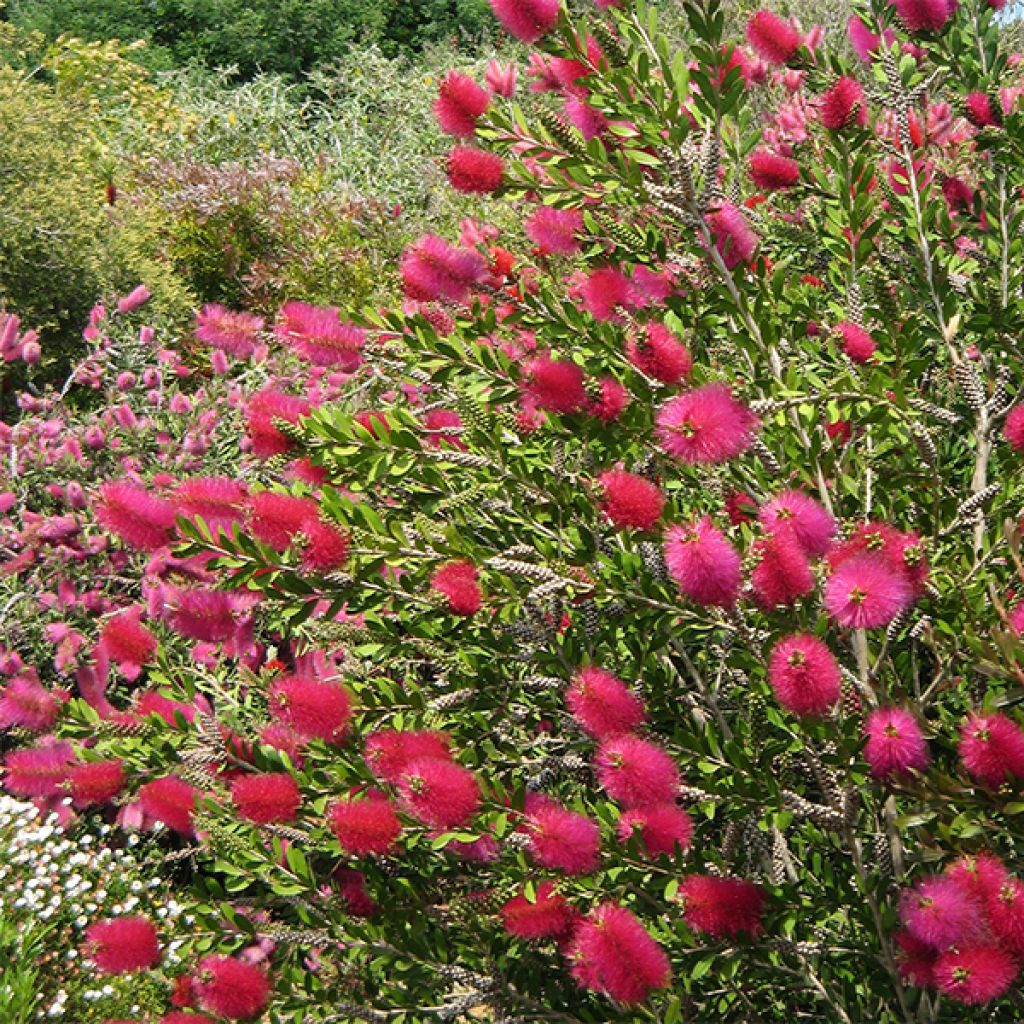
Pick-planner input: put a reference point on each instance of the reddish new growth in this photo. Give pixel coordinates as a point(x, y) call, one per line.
point(630, 501)
point(231, 988)
point(722, 907)
point(804, 675)
point(122, 944)
point(365, 825)
point(603, 704)
point(266, 798)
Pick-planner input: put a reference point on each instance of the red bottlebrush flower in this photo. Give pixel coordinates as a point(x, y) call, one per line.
point(865, 592)
point(804, 675)
point(771, 172)
point(1005, 909)
point(895, 744)
point(218, 500)
point(635, 772)
point(554, 384)
point(324, 547)
point(915, 959)
point(722, 907)
point(458, 583)
point(204, 615)
point(612, 953)
point(474, 170)
point(231, 988)
point(782, 574)
point(801, 515)
point(983, 874)
point(548, 916)
point(706, 425)
point(438, 793)
point(460, 104)
point(858, 345)
point(992, 748)
point(605, 292)
point(275, 518)
point(313, 709)
point(555, 231)
point(122, 944)
point(611, 399)
point(658, 353)
point(775, 41)
point(231, 332)
point(134, 515)
point(843, 104)
point(975, 975)
point(703, 563)
point(318, 335)
point(389, 752)
point(152, 703)
point(38, 771)
point(432, 269)
point(365, 825)
point(630, 501)
point(443, 427)
point(732, 235)
point(562, 840)
point(924, 15)
point(266, 797)
point(26, 704)
point(941, 913)
point(170, 800)
point(980, 112)
point(127, 642)
point(603, 704)
point(527, 20)
point(1013, 428)
point(660, 828)
point(96, 782)
point(263, 411)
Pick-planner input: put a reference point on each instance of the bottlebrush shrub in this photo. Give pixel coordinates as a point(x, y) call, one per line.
point(532, 744)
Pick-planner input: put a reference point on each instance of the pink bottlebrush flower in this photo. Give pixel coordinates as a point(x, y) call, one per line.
point(232, 988)
point(1013, 428)
point(808, 522)
point(443, 427)
point(605, 292)
point(318, 334)
point(474, 171)
point(266, 797)
point(862, 39)
point(172, 801)
point(274, 518)
point(942, 913)
point(866, 592)
point(782, 574)
point(38, 771)
point(903, 552)
point(655, 351)
point(501, 78)
point(236, 334)
point(660, 828)
point(313, 709)
point(924, 15)
point(204, 615)
point(635, 772)
point(1005, 908)
point(584, 117)
point(527, 20)
point(992, 748)
point(26, 704)
point(134, 299)
point(562, 840)
point(351, 886)
point(734, 239)
point(432, 270)
point(772, 39)
point(127, 642)
point(264, 411)
point(915, 959)
point(981, 112)
point(389, 752)
point(612, 953)
point(703, 563)
point(804, 675)
point(555, 385)
point(96, 782)
point(153, 703)
point(218, 500)
point(547, 916)
point(365, 826)
point(460, 104)
point(706, 425)
point(983, 874)
point(843, 104)
point(603, 704)
point(770, 172)
point(324, 546)
point(121, 945)
point(610, 401)
point(458, 583)
point(895, 744)
point(439, 793)
point(722, 907)
point(975, 975)
point(630, 501)
point(134, 515)
point(858, 345)
point(555, 231)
